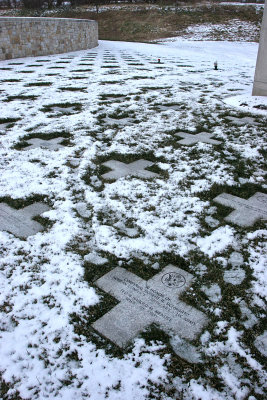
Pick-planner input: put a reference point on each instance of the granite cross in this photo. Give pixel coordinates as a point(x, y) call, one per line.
point(246, 212)
point(20, 222)
point(189, 139)
point(136, 168)
point(52, 144)
point(142, 303)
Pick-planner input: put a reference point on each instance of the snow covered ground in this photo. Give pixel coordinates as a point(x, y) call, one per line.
point(117, 102)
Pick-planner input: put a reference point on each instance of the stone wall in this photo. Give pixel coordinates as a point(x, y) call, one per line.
point(24, 37)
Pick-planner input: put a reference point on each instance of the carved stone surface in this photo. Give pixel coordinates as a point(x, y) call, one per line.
point(242, 121)
point(261, 343)
point(20, 222)
point(52, 144)
point(247, 212)
point(136, 168)
point(190, 139)
point(142, 303)
point(260, 79)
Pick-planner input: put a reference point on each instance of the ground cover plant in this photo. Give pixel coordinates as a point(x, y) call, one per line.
point(49, 295)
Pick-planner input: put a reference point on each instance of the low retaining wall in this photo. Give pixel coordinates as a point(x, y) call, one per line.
point(24, 37)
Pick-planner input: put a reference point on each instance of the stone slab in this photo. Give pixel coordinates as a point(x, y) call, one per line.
point(185, 350)
point(236, 259)
point(52, 144)
point(142, 303)
point(189, 139)
point(118, 121)
point(20, 222)
point(235, 276)
point(136, 168)
point(246, 212)
point(261, 343)
point(260, 78)
point(242, 121)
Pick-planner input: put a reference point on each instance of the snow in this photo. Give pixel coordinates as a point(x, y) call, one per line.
point(130, 221)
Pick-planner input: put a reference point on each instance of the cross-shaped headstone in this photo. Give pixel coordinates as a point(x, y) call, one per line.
point(20, 222)
point(136, 168)
point(190, 139)
point(145, 302)
point(52, 144)
point(246, 212)
point(242, 121)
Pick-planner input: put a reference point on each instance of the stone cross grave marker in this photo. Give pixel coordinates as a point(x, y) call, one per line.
point(190, 139)
point(246, 212)
point(142, 303)
point(260, 78)
point(136, 168)
point(20, 222)
point(52, 144)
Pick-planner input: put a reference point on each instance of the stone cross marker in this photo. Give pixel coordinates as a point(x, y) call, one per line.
point(19, 222)
point(260, 79)
point(52, 144)
point(190, 139)
point(142, 303)
point(136, 168)
point(247, 212)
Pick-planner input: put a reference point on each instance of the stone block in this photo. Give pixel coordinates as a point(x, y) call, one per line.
point(20, 222)
point(246, 212)
point(142, 303)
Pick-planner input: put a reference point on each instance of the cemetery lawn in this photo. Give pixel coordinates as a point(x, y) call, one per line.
point(117, 102)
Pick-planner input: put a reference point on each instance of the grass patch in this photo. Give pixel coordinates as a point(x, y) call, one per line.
point(10, 80)
point(56, 67)
point(73, 89)
point(64, 108)
point(21, 97)
point(33, 84)
point(8, 122)
point(82, 70)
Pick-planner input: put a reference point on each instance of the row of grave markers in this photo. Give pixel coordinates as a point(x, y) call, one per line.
point(141, 302)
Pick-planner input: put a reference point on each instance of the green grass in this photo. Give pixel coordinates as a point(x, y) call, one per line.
point(21, 97)
point(33, 84)
point(50, 108)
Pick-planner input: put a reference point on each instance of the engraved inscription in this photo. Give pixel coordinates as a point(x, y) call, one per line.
point(154, 300)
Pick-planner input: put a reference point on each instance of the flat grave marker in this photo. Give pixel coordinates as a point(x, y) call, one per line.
point(142, 303)
point(189, 139)
point(242, 121)
point(136, 168)
point(20, 222)
point(246, 212)
point(51, 144)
